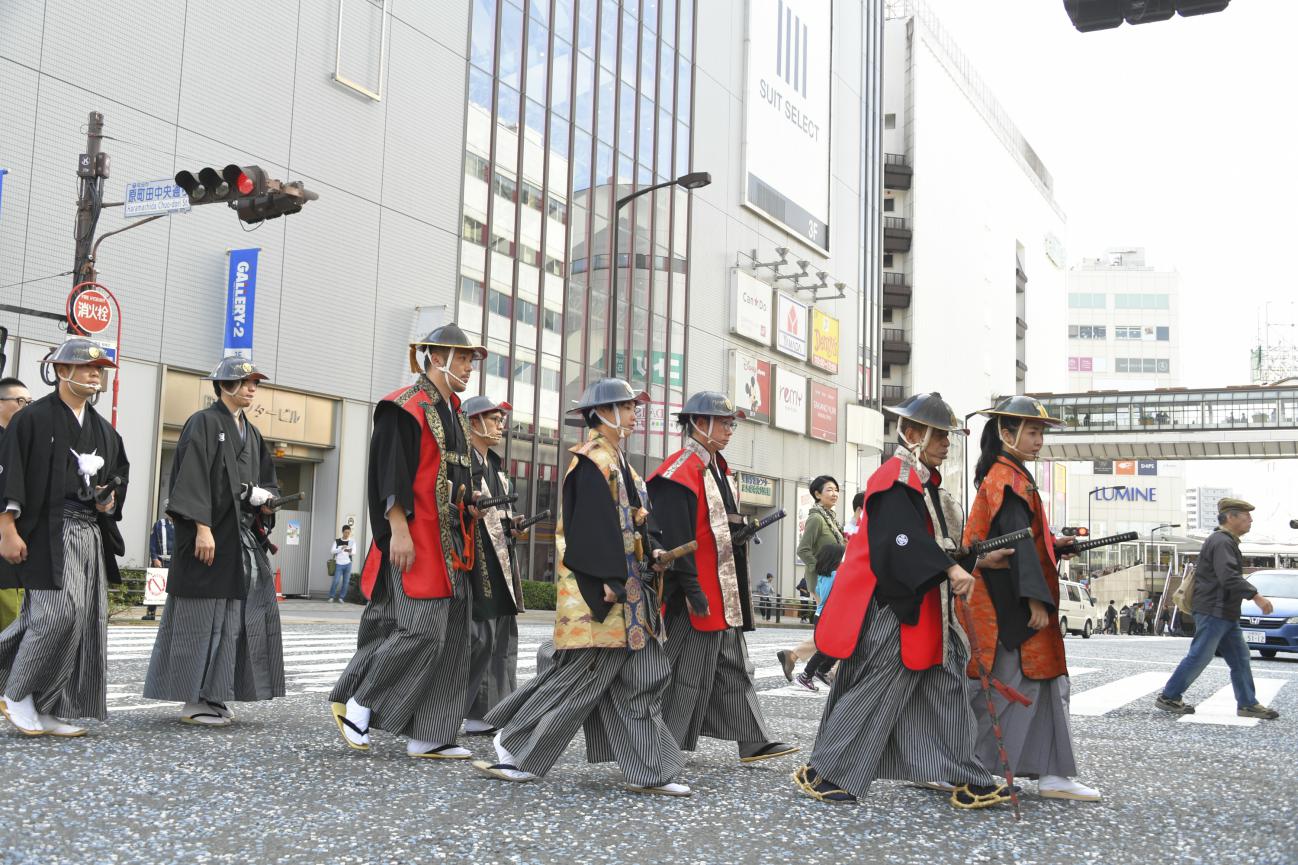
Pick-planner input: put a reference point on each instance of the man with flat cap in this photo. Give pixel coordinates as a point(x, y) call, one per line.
point(220, 639)
point(63, 473)
point(708, 603)
point(1219, 590)
point(410, 670)
point(496, 582)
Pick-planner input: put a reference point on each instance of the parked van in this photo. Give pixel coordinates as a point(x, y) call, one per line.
point(1077, 612)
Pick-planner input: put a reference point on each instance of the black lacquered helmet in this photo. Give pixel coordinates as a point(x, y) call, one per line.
point(79, 351)
point(710, 403)
point(476, 405)
point(930, 410)
point(236, 368)
point(449, 335)
point(605, 391)
point(1026, 407)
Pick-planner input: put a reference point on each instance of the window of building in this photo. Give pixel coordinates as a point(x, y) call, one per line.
point(476, 166)
point(1072, 331)
point(500, 303)
point(1164, 333)
point(887, 314)
point(526, 312)
point(886, 370)
point(1088, 331)
point(1120, 364)
point(553, 321)
point(889, 205)
point(505, 187)
point(474, 231)
point(890, 121)
point(887, 259)
point(1086, 300)
point(1141, 301)
point(470, 291)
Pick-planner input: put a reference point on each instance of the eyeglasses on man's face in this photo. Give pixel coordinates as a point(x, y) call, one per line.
point(23, 401)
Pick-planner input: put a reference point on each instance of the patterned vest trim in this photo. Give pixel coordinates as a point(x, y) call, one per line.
point(431, 575)
point(628, 625)
point(493, 520)
point(1042, 655)
point(715, 558)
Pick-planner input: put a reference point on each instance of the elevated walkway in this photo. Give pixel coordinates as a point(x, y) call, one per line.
point(1250, 422)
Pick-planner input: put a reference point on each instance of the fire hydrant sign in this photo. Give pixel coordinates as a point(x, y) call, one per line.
point(92, 311)
point(155, 586)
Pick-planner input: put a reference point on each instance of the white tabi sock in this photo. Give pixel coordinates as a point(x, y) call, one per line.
point(23, 712)
point(475, 725)
point(419, 746)
point(358, 714)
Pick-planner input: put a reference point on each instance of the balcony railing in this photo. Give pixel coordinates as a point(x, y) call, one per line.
point(892, 393)
point(894, 334)
point(896, 171)
point(891, 278)
point(895, 159)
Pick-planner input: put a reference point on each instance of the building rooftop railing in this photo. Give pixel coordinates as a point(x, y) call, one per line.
point(895, 159)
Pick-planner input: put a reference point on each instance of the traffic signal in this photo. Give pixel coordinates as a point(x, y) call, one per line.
point(232, 182)
point(279, 199)
point(1088, 15)
point(1076, 531)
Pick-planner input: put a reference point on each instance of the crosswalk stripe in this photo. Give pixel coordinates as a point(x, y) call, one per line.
point(1114, 695)
point(1220, 707)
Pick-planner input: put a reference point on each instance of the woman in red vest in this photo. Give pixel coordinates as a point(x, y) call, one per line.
point(1015, 607)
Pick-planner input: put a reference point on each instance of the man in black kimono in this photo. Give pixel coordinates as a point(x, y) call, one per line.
point(63, 473)
point(14, 397)
point(220, 636)
point(708, 603)
point(497, 587)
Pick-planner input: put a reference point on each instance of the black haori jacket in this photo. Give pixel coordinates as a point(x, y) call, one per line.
point(37, 470)
point(205, 488)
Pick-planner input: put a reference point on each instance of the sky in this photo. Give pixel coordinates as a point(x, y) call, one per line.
point(1178, 136)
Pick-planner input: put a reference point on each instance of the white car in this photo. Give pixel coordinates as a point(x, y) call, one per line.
point(1076, 610)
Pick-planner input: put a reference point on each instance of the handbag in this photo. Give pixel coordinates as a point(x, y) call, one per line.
point(331, 566)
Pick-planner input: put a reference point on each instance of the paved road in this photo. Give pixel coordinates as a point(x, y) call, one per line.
point(279, 787)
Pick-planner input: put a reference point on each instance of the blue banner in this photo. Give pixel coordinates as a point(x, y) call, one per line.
point(241, 301)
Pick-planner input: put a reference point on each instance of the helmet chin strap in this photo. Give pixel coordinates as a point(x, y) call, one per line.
point(81, 388)
point(920, 446)
point(494, 437)
point(1013, 448)
point(707, 435)
point(623, 432)
point(446, 369)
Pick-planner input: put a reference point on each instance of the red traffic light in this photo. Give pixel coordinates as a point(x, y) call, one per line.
point(1075, 531)
point(239, 180)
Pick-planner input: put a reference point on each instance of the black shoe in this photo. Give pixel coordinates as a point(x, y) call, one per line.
point(824, 677)
point(1176, 707)
point(787, 662)
point(148, 617)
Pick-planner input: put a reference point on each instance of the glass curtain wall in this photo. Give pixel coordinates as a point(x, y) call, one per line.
point(571, 105)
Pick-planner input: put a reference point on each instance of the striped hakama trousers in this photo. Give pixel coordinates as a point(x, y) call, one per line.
point(710, 693)
point(221, 649)
point(57, 649)
point(883, 720)
point(493, 665)
point(614, 694)
point(411, 666)
point(1038, 738)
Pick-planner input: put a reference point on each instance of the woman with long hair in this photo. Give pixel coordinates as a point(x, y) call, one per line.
point(1014, 610)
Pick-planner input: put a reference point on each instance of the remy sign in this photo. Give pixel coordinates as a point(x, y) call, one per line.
point(786, 115)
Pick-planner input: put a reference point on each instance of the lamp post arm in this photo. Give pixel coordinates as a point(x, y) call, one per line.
point(621, 202)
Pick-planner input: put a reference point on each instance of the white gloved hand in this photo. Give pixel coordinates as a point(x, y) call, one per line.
point(258, 497)
point(88, 465)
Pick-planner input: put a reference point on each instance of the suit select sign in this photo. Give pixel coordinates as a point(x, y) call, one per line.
point(790, 327)
point(790, 397)
point(786, 115)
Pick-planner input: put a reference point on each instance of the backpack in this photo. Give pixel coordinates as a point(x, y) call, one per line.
point(1183, 597)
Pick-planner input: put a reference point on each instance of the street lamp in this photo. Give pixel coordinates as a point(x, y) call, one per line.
point(1153, 565)
point(1094, 492)
point(693, 180)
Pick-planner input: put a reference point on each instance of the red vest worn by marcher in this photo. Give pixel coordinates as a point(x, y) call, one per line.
point(839, 626)
point(1042, 655)
point(430, 575)
point(716, 569)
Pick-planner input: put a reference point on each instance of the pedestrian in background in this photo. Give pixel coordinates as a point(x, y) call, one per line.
point(14, 397)
point(1218, 591)
point(820, 664)
point(858, 505)
point(1124, 620)
point(765, 593)
point(820, 530)
point(343, 553)
point(1111, 619)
